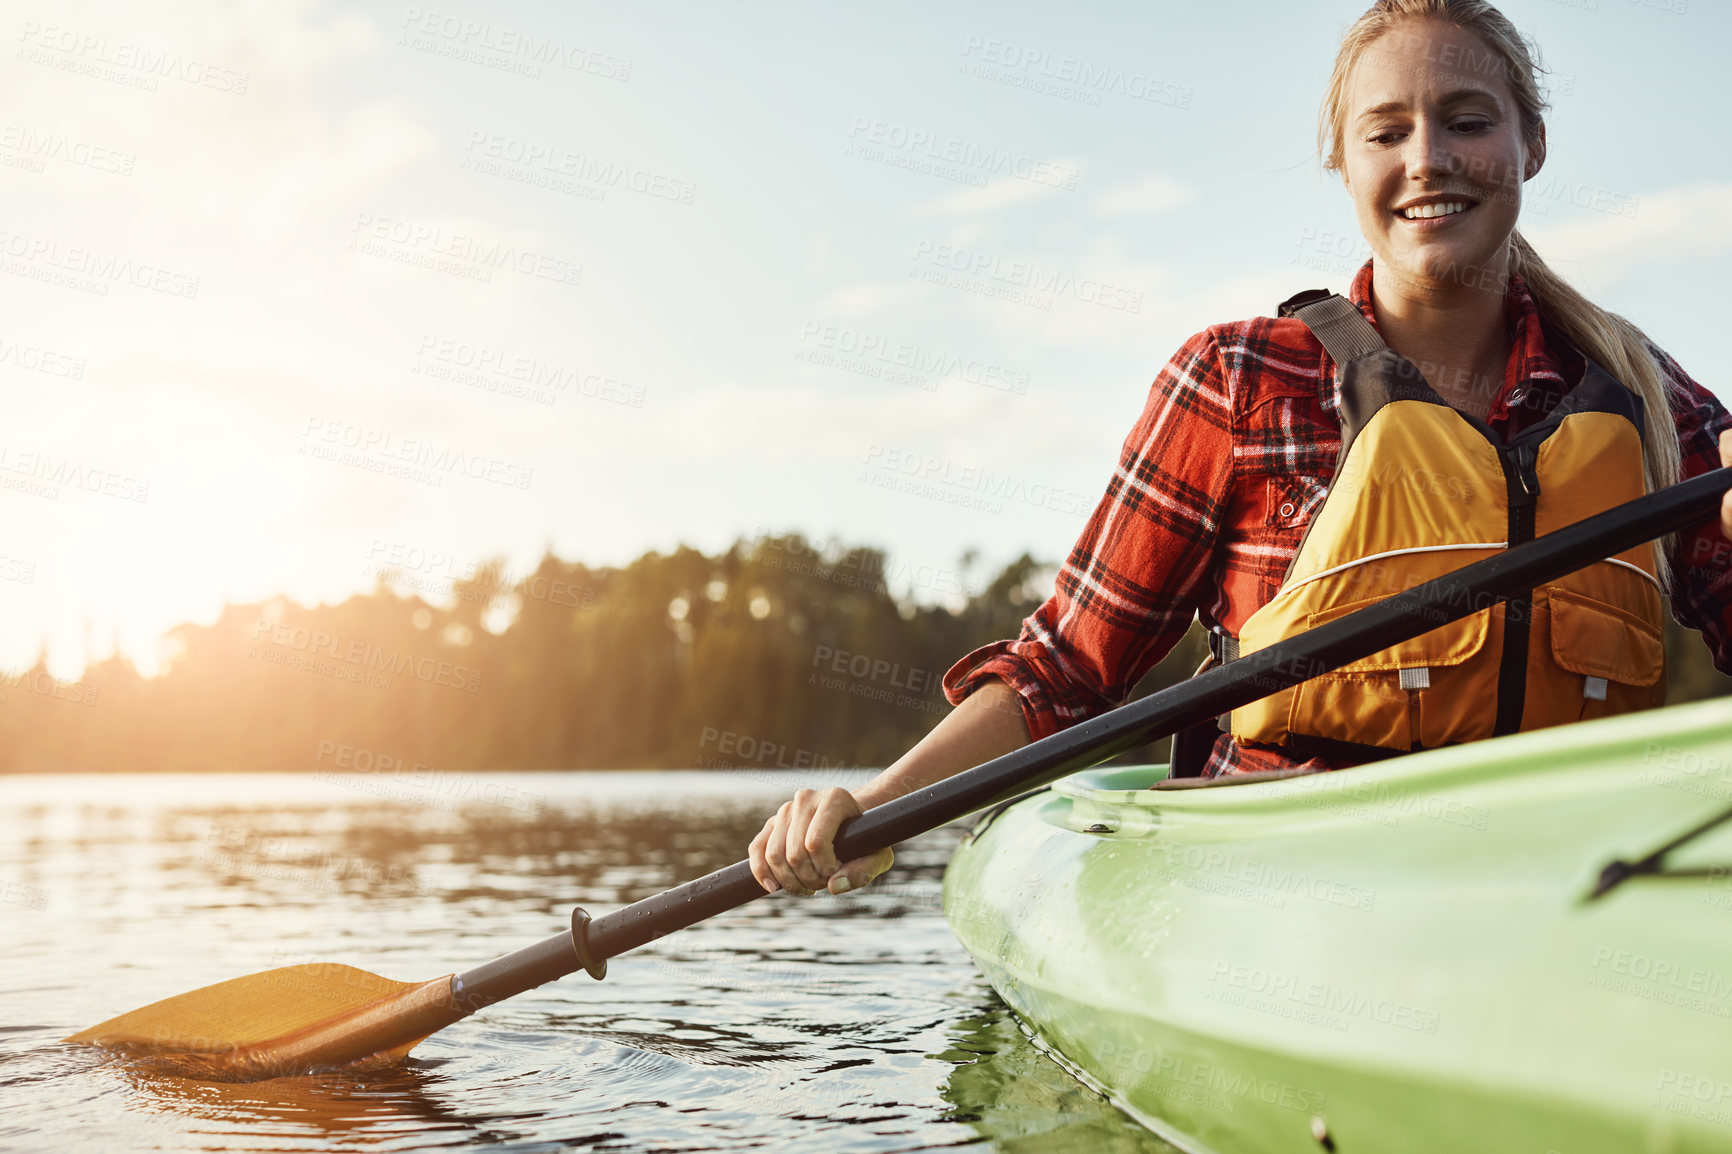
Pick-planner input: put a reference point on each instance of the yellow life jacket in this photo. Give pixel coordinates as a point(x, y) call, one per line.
point(1420, 490)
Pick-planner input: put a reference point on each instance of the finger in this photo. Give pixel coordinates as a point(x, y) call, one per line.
point(834, 807)
point(1726, 447)
point(799, 859)
point(775, 853)
point(760, 867)
point(859, 873)
point(805, 875)
point(1726, 516)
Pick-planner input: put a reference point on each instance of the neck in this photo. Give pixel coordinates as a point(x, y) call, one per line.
point(1455, 333)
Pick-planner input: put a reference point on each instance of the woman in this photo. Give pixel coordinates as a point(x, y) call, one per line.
point(1433, 120)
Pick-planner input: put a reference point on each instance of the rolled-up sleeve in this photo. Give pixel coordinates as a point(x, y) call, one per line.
point(1135, 578)
point(1701, 557)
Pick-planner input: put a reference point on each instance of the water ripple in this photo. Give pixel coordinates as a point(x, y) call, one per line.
point(853, 1024)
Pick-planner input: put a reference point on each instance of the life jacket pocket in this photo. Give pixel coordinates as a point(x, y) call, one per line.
point(1430, 689)
point(1426, 691)
point(1450, 644)
point(1607, 660)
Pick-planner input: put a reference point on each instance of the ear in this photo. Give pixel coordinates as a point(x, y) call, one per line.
point(1536, 154)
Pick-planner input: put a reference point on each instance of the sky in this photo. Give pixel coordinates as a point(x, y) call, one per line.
point(293, 292)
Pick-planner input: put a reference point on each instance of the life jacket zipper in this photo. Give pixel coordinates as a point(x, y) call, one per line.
point(1522, 479)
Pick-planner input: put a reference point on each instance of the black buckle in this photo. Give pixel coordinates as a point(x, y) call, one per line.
point(1292, 305)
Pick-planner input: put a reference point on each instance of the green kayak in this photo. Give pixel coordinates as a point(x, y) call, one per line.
point(1400, 957)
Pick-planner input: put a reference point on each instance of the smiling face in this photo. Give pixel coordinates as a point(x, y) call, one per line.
point(1434, 156)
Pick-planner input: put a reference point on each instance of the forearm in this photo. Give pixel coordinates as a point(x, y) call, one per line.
point(988, 724)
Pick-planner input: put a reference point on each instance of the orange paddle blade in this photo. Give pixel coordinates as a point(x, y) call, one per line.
point(280, 1022)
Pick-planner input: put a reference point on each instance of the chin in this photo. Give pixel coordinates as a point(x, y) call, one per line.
point(1453, 264)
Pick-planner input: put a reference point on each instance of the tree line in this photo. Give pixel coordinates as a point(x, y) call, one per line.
point(775, 654)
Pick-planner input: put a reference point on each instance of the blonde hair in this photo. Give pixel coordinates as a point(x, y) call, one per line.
point(1619, 347)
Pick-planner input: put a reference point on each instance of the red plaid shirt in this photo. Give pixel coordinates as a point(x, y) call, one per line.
point(1232, 455)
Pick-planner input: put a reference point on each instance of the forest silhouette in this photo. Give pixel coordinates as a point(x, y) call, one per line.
point(776, 654)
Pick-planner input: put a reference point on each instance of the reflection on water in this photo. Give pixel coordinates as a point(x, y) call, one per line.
point(839, 1024)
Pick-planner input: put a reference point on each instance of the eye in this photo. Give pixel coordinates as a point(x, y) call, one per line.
point(1387, 136)
point(1473, 127)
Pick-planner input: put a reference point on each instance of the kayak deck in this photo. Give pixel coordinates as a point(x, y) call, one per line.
point(1401, 957)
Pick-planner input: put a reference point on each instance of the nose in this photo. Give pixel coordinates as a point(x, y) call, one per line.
point(1428, 153)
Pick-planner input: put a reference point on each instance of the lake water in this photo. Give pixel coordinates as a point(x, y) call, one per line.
point(828, 1024)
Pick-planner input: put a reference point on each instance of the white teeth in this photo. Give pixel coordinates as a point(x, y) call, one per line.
point(1427, 211)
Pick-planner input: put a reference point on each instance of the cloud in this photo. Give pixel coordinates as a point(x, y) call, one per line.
point(1601, 247)
point(261, 156)
point(859, 299)
point(1145, 196)
point(997, 194)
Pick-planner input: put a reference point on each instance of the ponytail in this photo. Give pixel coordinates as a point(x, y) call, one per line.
point(1620, 348)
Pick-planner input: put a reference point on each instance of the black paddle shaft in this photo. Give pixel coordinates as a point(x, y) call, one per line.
point(1227, 687)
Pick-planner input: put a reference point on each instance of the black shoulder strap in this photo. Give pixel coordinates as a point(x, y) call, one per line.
point(1336, 322)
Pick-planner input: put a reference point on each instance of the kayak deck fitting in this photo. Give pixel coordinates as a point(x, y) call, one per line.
point(1405, 956)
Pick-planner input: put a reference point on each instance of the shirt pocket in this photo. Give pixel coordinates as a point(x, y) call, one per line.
point(1290, 501)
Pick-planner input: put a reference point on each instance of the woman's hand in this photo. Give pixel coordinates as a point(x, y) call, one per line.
point(1726, 501)
point(795, 851)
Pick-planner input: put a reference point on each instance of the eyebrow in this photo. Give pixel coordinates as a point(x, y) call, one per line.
point(1455, 97)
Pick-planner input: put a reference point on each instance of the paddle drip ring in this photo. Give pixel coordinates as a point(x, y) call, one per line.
point(593, 966)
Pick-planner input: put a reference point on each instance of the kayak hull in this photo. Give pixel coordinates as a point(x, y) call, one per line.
point(1399, 957)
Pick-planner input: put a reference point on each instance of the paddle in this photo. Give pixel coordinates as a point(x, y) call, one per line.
point(307, 1017)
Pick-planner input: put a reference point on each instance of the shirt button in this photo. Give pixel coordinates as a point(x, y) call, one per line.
point(1287, 510)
